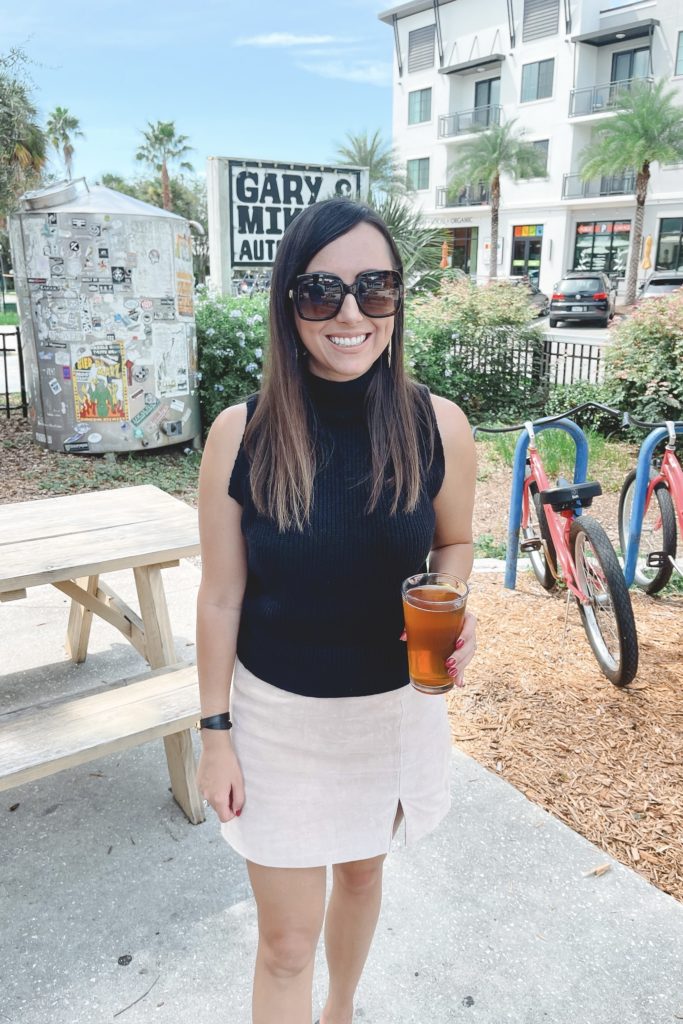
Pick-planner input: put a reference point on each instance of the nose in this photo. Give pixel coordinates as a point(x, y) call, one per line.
point(350, 311)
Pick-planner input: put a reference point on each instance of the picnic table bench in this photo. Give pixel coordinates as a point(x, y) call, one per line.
point(69, 542)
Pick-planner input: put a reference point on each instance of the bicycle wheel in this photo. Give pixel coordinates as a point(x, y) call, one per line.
point(608, 618)
point(658, 533)
point(543, 561)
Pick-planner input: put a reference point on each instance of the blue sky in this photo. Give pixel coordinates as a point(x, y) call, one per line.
point(280, 79)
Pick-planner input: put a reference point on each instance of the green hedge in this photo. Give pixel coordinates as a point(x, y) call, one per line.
point(644, 367)
point(476, 345)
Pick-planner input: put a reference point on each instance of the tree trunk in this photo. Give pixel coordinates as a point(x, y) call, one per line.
point(165, 187)
point(495, 207)
point(642, 181)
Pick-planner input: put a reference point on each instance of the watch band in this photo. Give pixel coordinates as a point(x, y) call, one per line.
point(215, 722)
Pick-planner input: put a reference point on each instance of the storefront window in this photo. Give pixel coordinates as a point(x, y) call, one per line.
point(602, 245)
point(670, 245)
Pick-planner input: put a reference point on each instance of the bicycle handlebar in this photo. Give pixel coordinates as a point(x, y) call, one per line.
point(553, 419)
point(632, 421)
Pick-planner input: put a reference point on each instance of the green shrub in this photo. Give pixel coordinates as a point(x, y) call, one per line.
point(565, 396)
point(476, 346)
point(232, 334)
point(644, 369)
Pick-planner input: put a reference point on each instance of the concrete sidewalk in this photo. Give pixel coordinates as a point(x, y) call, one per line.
point(490, 920)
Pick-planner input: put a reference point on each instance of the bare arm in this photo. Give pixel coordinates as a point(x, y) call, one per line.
point(453, 550)
point(219, 604)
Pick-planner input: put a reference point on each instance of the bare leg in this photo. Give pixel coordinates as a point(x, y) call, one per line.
point(349, 927)
point(291, 907)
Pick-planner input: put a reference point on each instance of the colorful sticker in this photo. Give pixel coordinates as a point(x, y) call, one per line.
point(99, 381)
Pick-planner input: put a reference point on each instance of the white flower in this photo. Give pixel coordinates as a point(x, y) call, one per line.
point(240, 335)
point(447, 373)
point(236, 314)
point(257, 319)
point(210, 332)
point(251, 367)
point(218, 387)
point(258, 376)
point(198, 376)
point(258, 352)
point(229, 352)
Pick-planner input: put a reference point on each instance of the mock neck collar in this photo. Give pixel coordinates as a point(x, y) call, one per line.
point(341, 397)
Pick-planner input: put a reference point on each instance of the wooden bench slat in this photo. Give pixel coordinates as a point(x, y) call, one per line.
point(48, 739)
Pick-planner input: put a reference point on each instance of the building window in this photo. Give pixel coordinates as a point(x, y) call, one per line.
point(421, 48)
point(628, 64)
point(602, 245)
point(670, 245)
point(419, 106)
point(418, 174)
point(541, 18)
point(679, 55)
point(541, 147)
point(537, 80)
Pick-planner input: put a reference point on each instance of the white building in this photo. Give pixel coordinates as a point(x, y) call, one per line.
point(556, 66)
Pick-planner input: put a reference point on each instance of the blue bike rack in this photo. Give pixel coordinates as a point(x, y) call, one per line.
point(635, 525)
point(518, 470)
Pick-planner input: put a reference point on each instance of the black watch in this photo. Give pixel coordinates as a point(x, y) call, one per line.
point(214, 722)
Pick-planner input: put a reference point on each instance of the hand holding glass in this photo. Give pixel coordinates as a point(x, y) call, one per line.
point(434, 611)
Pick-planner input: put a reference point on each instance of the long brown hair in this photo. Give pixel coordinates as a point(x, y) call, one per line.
point(279, 438)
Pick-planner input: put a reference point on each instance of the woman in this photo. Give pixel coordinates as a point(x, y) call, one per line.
point(316, 499)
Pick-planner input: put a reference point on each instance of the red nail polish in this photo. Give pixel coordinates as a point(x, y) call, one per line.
point(237, 813)
point(450, 661)
point(459, 644)
point(403, 636)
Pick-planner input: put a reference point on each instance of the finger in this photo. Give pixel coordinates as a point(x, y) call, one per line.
point(237, 800)
point(403, 636)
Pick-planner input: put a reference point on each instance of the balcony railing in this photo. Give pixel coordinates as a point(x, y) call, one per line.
point(596, 99)
point(468, 195)
point(609, 185)
point(468, 121)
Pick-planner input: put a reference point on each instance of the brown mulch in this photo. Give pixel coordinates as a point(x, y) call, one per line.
point(536, 709)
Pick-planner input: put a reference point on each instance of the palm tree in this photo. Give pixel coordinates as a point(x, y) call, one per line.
point(61, 129)
point(497, 150)
point(22, 141)
point(361, 151)
point(647, 129)
point(161, 146)
point(418, 243)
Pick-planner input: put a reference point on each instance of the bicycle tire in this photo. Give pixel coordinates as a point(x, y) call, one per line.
point(650, 580)
point(615, 647)
point(543, 562)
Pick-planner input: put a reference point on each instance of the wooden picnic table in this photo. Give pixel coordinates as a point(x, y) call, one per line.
point(70, 542)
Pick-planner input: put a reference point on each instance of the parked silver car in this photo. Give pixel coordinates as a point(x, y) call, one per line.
point(662, 282)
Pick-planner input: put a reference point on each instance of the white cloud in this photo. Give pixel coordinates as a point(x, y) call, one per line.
point(284, 39)
point(366, 71)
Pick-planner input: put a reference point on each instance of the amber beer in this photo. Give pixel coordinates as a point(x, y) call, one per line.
point(434, 611)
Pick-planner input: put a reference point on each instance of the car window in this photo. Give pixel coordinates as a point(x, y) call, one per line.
point(662, 287)
point(581, 284)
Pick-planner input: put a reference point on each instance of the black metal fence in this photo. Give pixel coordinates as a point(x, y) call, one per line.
point(10, 350)
point(531, 361)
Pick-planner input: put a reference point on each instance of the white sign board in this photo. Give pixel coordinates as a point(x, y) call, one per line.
point(251, 202)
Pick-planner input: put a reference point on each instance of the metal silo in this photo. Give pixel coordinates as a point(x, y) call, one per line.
point(105, 290)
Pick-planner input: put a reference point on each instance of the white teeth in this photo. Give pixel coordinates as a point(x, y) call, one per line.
point(348, 342)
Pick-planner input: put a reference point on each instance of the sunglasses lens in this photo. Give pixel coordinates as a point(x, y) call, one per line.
point(379, 292)
point(319, 297)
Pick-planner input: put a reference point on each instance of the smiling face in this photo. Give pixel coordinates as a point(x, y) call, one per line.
point(346, 346)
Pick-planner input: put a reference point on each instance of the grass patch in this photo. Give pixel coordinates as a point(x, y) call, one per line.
point(176, 472)
point(9, 319)
point(486, 547)
point(608, 461)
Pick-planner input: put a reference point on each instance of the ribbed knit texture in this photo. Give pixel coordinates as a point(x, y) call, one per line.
point(322, 613)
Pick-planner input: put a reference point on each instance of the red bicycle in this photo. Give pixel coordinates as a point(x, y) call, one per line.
point(649, 539)
point(565, 545)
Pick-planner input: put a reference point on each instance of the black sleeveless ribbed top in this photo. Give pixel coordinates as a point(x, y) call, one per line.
point(322, 613)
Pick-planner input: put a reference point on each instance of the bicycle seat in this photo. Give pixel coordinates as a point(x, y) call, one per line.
point(571, 497)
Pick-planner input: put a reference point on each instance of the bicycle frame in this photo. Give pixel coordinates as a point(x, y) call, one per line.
point(559, 523)
point(519, 492)
point(670, 473)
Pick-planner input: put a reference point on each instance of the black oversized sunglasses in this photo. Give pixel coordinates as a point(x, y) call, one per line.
point(320, 296)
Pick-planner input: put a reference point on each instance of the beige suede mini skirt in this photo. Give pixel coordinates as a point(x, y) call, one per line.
point(324, 778)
